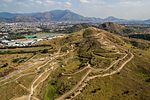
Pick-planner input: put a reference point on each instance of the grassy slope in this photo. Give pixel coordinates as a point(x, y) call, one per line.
point(130, 84)
point(74, 62)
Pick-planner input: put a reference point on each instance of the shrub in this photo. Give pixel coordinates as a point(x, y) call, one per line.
point(5, 65)
point(45, 51)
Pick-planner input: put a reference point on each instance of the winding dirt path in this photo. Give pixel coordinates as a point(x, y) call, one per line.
point(24, 68)
point(81, 84)
point(39, 79)
point(98, 70)
point(104, 75)
point(36, 80)
point(87, 67)
point(75, 87)
point(17, 78)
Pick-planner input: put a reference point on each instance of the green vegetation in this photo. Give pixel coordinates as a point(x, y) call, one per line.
point(90, 46)
point(45, 51)
point(130, 84)
point(138, 43)
point(19, 60)
point(25, 50)
point(5, 65)
point(116, 28)
point(14, 37)
point(77, 28)
point(140, 36)
point(50, 92)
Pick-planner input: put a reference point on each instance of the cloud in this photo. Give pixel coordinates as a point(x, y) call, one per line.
point(84, 1)
point(38, 2)
point(7, 1)
point(68, 4)
point(131, 2)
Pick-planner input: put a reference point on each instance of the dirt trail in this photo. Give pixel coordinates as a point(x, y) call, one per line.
point(78, 87)
point(104, 75)
point(17, 78)
point(18, 71)
point(32, 85)
point(76, 90)
point(97, 70)
point(24, 68)
point(22, 86)
point(113, 63)
point(41, 78)
point(75, 87)
point(87, 67)
point(116, 71)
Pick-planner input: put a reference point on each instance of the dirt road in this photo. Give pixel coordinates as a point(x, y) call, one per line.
point(77, 89)
point(104, 75)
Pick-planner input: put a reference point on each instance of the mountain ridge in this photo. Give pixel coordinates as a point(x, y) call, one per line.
point(61, 16)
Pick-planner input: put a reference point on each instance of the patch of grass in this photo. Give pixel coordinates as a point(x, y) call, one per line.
point(10, 91)
point(72, 65)
point(50, 92)
point(19, 60)
point(24, 50)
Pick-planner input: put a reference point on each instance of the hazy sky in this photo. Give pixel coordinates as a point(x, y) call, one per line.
point(128, 9)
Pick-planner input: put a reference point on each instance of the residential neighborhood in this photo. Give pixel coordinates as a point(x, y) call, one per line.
point(27, 34)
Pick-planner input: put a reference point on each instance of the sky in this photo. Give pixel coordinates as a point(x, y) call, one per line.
point(126, 9)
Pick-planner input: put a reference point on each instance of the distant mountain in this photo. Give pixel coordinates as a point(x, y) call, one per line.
point(55, 15)
point(113, 19)
point(147, 21)
point(8, 15)
point(60, 16)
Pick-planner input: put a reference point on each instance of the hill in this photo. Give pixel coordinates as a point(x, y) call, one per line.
point(131, 31)
point(116, 28)
point(90, 63)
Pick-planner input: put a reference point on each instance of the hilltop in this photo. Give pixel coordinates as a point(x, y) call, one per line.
point(116, 28)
